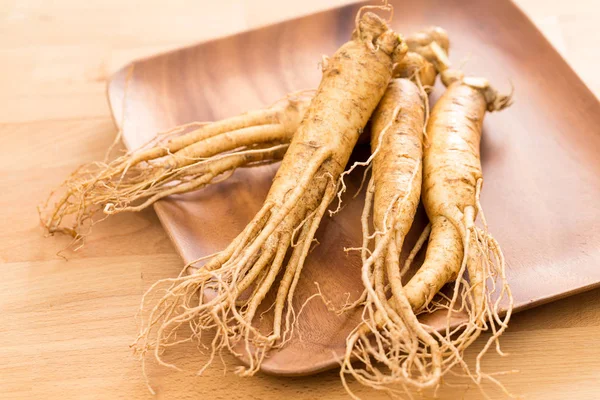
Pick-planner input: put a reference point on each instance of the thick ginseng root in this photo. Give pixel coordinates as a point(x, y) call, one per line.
point(406, 353)
point(225, 293)
point(451, 188)
point(173, 163)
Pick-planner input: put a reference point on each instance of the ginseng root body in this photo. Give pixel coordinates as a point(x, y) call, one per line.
point(186, 158)
point(354, 80)
point(391, 333)
point(452, 183)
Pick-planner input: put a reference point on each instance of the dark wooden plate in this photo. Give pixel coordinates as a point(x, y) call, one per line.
point(541, 156)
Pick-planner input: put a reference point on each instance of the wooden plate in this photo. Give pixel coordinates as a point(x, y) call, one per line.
point(540, 157)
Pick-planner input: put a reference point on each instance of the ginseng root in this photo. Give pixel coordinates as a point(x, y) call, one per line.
point(451, 188)
point(391, 334)
point(179, 161)
point(224, 293)
point(452, 185)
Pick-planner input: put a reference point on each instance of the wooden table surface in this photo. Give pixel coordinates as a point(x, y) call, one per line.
point(65, 326)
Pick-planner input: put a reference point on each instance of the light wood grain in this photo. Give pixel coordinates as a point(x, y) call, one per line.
point(65, 326)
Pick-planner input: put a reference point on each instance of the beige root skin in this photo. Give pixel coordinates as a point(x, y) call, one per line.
point(407, 353)
point(176, 162)
point(438, 266)
point(354, 80)
point(414, 64)
point(205, 174)
point(452, 180)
